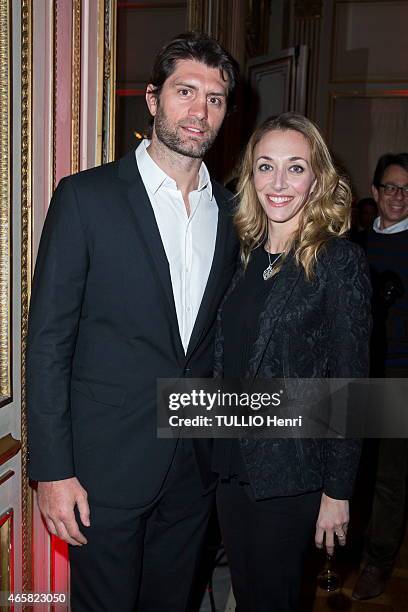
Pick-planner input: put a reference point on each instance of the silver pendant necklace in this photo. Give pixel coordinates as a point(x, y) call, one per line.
point(268, 272)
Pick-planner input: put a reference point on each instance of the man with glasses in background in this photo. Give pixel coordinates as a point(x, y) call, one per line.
point(386, 246)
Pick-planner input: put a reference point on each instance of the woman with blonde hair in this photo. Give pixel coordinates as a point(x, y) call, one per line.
point(298, 307)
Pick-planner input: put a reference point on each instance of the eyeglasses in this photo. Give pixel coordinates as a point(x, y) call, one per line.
point(393, 189)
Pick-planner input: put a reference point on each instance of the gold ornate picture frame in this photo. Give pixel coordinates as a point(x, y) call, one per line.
point(5, 204)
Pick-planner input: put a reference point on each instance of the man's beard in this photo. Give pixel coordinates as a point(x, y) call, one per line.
point(167, 134)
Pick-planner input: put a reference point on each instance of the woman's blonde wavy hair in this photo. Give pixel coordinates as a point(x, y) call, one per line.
point(326, 213)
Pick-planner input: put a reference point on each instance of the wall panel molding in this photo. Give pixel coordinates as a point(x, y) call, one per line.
point(76, 85)
point(5, 205)
point(378, 121)
point(307, 31)
point(363, 94)
point(375, 53)
point(109, 81)
point(26, 268)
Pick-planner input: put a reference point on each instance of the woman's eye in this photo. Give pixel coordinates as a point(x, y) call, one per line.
point(264, 167)
point(296, 169)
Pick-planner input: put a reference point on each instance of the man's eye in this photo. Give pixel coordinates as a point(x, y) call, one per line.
point(296, 169)
point(215, 101)
point(184, 92)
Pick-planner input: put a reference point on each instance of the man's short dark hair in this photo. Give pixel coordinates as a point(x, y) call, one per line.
point(202, 48)
point(389, 159)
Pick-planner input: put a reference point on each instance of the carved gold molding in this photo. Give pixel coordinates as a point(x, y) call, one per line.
point(100, 87)
point(76, 84)
point(26, 267)
point(5, 204)
point(54, 92)
point(109, 81)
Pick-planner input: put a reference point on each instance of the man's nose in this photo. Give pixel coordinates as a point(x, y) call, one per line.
point(199, 108)
point(399, 195)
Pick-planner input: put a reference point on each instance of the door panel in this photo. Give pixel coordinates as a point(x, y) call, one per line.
point(278, 83)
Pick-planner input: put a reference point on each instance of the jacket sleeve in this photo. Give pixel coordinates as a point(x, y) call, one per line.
point(350, 315)
point(56, 300)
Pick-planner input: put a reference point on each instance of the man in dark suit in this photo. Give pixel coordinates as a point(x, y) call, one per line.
point(134, 259)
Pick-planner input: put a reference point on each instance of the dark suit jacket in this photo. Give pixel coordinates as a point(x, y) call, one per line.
point(314, 329)
point(102, 328)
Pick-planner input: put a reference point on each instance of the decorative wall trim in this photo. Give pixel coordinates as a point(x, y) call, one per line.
point(101, 80)
point(372, 93)
point(306, 31)
point(210, 16)
point(7, 552)
point(9, 447)
point(198, 15)
point(257, 26)
point(26, 268)
point(76, 84)
point(151, 5)
point(54, 94)
point(364, 77)
point(109, 81)
point(5, 204)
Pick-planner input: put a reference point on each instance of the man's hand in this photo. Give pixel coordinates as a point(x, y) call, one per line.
point(57, 500)
point(333, 519)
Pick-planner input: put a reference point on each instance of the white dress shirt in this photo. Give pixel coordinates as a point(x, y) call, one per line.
point(392, 229)
point(188, 241)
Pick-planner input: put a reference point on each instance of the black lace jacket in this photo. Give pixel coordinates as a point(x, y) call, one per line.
point(309, 329)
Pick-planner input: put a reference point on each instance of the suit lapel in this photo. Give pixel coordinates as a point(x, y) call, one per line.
point(283, 285)
point(206, 314)
point(144, 221)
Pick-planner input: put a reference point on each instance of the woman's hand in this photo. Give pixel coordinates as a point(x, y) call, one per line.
point(333, 519)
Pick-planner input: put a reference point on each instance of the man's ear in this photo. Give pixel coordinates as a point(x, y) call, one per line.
point(151, 99)
point(375, 193)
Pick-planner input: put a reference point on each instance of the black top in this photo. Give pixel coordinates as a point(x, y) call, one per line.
point(241, 313)
point(309, 328)
point(240, 323)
